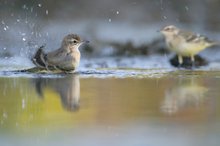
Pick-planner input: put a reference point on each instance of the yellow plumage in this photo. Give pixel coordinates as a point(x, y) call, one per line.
point(185, 43)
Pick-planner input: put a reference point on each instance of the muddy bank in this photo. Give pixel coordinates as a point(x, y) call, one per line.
point(155, 47)
point(128, 48)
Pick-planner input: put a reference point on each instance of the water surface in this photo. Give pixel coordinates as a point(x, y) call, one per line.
point(176, 108)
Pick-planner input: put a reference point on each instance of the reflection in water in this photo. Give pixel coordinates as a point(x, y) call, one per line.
point(183, 95)
point(68, 88)
point(119, 110)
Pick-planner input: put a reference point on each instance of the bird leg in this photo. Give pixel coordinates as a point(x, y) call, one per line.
point(180, 59)
point(193, 60)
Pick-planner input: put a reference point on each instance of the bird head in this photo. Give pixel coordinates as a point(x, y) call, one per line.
point(169, 30)
point(72, 40)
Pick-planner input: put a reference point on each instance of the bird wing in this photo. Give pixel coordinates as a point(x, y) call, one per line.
point(56, 57)
point(188, 36)
point(194, 37)
point(39, 57)
point(59, 59)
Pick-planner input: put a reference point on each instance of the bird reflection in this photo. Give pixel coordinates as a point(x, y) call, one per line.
point(68, 88)
point(188, 94)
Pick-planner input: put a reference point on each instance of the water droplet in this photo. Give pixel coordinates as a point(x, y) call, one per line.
point(39, 5)
point(187, 8)
point(4, 48)
point(3, 22)
point(164, 17)
point(47, 12)
point(18, 20)
point(110, 20)
point(6, 27)
point(24, 7)
point(24, 39)
point(117, 12)
point(32, 9)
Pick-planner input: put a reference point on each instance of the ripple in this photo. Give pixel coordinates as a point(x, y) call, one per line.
point(119, 67)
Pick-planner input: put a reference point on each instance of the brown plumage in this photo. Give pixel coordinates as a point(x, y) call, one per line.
point(66, 58)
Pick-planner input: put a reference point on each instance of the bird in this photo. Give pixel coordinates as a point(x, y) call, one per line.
point(185, 43)
point(65, 59)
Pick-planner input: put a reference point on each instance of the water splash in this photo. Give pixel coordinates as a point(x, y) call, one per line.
point(186, 8)
point(39, 5)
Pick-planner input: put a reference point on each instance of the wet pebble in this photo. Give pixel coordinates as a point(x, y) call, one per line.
point(187, 63)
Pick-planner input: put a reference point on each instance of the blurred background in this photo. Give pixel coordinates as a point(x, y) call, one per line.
point(113, 27)
point(127, 92)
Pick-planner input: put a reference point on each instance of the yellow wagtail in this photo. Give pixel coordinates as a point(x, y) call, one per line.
point(185, 43)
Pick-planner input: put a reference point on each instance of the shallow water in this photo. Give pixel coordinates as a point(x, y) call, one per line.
point(108, 101)
point(175, 108)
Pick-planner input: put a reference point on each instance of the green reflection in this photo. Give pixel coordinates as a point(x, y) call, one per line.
point(28, 103)
point(67, 88)
point(53, 103)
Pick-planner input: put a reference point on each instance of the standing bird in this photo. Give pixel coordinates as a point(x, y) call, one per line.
point(184, 43)
point(65, 59)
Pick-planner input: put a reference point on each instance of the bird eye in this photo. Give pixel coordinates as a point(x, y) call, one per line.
point(73, 41)
point(167, 29)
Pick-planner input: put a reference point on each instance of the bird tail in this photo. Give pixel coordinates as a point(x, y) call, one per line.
point(216, 44)
point(39, 59)
point(212, 44)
